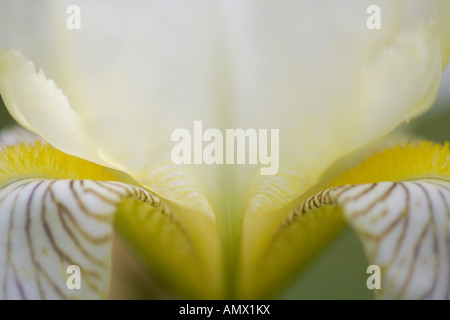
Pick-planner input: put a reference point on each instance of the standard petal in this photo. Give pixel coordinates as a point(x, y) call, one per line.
point(124, 64)
point(314, 71)
point(21, 85)
point(333, 87)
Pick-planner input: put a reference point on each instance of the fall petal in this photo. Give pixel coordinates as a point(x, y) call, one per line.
point(404, 228)
point(54, 217)
point(403, 225)
point(51, 226)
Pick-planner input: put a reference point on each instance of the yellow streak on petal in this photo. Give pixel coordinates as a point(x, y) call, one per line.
point(270, 264)
point(409, 162)
point(170, 251)
point(42, 160)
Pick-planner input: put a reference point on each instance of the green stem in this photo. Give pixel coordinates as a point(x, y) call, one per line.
point(230, 230)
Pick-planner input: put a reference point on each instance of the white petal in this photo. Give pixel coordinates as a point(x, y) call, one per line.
point(313, 70)
point(330, 84)
point(404, 228)
point(48, 225)
point(46, 102)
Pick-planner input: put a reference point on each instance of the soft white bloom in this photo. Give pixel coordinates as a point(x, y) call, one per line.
point(138, 70)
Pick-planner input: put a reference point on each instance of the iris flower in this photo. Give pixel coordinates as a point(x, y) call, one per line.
point(103, 98)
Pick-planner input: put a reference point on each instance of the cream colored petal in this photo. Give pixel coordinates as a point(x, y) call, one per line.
point(123, 74)
point(49, 226)
point(404, 228)
point(313, 70)
point(33, 100)
point(21, 85)
point(333, 87)
point(444, 19)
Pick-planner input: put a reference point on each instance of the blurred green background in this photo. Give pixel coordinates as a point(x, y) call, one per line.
point(339, 272)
